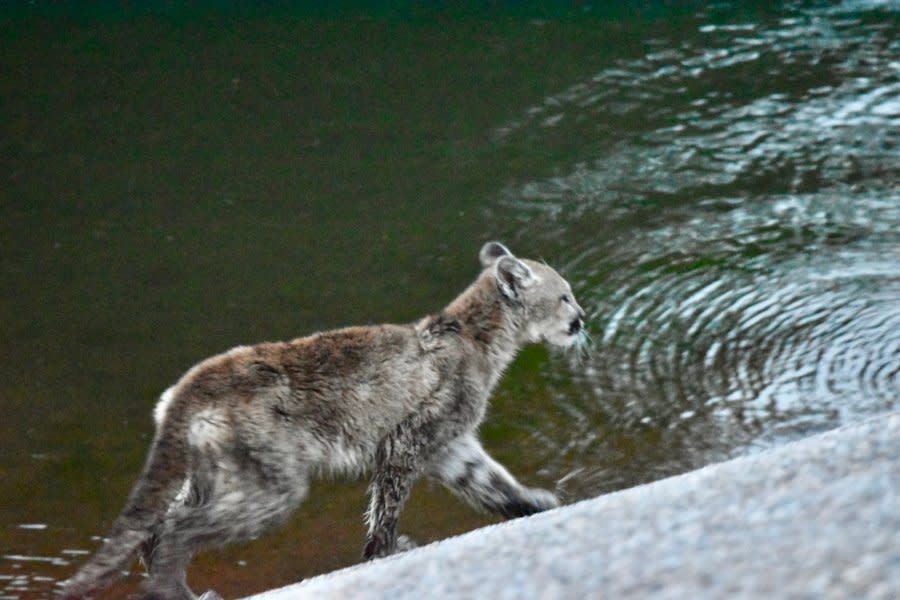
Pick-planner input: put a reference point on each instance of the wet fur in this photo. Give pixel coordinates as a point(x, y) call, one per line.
point(240, 435)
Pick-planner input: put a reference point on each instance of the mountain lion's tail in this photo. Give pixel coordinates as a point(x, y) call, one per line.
point(161, 480)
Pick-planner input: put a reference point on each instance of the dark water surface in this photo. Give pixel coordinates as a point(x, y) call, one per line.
point(720, 185)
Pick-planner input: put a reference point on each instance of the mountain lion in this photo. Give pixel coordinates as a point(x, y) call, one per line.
point(239, 436)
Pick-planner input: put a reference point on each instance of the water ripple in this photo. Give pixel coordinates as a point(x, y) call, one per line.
point(738, 247)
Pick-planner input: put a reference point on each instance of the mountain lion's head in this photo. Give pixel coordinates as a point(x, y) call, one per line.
point(541, 296)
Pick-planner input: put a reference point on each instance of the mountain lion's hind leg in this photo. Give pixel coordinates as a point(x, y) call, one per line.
point(469, 472)
point(227, 501)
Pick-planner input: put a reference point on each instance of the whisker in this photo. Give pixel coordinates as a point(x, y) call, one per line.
point(582, 348)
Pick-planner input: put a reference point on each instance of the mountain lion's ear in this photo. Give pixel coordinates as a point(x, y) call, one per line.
point(513, 276)
point(490, 252)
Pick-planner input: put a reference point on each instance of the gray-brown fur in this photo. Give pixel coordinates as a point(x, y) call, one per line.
point(240, 435)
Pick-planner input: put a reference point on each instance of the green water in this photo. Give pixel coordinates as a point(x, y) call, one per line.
point(719, 184)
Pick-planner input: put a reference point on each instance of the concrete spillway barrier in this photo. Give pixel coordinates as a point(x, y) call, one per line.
point(818, 518)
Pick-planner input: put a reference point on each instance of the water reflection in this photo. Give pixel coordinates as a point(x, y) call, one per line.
point(739, 242)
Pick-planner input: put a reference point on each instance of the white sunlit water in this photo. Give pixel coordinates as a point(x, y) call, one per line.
point(740, 255)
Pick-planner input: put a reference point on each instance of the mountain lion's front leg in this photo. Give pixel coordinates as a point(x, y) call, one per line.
point(468, 471)
point(397, 468)
point(399, 462)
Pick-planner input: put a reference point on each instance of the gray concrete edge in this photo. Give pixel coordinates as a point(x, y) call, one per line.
point(817, 518)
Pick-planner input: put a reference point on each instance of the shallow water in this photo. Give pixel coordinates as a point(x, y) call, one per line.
point(719, 184)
